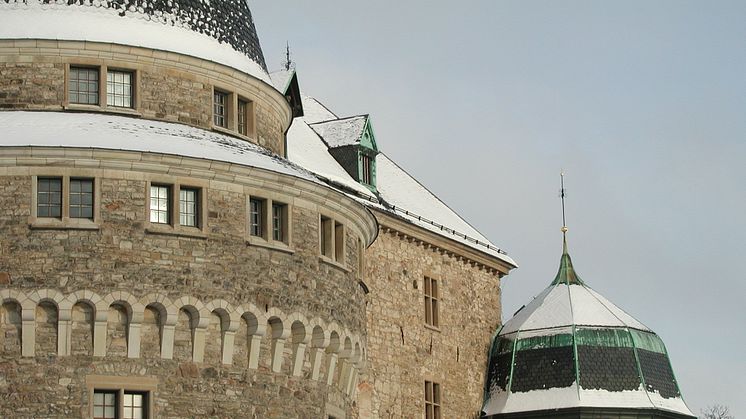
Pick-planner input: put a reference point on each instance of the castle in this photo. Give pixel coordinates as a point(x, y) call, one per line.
point(185, 234)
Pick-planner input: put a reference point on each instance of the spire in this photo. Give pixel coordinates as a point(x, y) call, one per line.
point(288, 64)
point(566, 274)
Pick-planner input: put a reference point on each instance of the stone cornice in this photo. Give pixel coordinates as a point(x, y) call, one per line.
point(14, 158)
point(407, 231)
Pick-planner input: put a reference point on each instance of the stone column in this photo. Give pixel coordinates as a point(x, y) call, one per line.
point(228, 339)
point(254, 346)
point(299, 352)
point(317, 355)
point(330, 367)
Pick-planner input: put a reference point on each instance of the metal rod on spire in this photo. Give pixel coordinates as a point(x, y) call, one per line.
point(562, 195)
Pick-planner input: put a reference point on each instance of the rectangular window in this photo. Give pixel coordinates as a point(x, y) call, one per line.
point(256, 217)
point(432, 400)
point(105, 404)
point(81, 198)
point(188, 207)
point(219, 112)
point(431, 302)
point(339, 248)
point(160, 209)
point(367, 175)
point(49, 197)
point(83, 87)
point(134, 405)
point(325, 234)
point(119, 89)
point(243, 117)
point(279, 221)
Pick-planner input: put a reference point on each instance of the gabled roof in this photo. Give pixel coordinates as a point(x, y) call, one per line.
point(281, 79)
point(341, 132)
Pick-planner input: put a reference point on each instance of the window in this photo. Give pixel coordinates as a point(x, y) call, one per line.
point(119, 89)
point(245, 117)
point(367, 175)
point(325, 235)
point(332, 239)
point(432, 400)
point(188, 207)
point(83, 87)
point(81, 198)
point(160, 209)
point(431, 302)
point(108, 404)
point(49, 197)
point(279, 221)
point(256, 217)
point(220, 107)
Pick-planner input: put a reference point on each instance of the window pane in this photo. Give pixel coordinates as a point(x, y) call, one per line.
point(83, 86)
point(119, 88)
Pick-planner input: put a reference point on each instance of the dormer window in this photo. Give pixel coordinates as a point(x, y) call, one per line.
point(366, 168)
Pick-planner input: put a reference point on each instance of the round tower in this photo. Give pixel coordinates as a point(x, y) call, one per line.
point(571, 353)
point(159, 255)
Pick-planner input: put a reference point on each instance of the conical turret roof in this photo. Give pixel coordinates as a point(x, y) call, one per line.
point(572, 351)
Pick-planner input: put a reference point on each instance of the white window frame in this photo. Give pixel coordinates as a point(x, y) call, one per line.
point(174, 226)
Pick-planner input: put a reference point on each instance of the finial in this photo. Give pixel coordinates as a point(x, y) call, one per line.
point(288, 63)
point(562, 195)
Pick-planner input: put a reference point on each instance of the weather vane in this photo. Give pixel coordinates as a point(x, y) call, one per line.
point(562, 195)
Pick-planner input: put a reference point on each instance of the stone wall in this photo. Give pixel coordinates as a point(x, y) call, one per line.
point(168, 86)
point(402, 351)
point(226, 327)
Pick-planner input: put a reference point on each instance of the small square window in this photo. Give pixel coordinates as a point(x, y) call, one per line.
point(160, 206)
point(256, 217)
point(83, 87)
point(432, 400)
point(134, 405)
point(189, 207)
point(49, 197)
point(220, 109)
point(119, 89)
point(81, 198)
point(105, 404)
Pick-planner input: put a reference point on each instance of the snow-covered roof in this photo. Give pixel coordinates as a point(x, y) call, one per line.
point(400, 194)
point(98, 131)
point(281, 79)
point(415, 203)
point(569, 348)
point(563, 305)
point(222, 32)
point(314, 111)
point(341, 132)
point(306, 149)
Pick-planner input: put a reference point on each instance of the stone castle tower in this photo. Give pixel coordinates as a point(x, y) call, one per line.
point(186, 235)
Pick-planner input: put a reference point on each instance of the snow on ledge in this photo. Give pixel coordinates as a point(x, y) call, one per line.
point(76, 23)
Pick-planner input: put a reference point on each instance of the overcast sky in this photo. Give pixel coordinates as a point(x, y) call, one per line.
point(643, 104)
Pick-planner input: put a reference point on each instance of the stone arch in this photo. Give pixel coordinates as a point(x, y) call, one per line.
point(158, 322)
point(47, 317)
point(252, 327)
point(11, 320)
point(189, 333)
point(332, 354)
point(345, 370)
point(279, 331)
point(82, 319)
point(124, 322)
point(221, 332)
point(319, 342)
point(300, 336)
point(28, 319)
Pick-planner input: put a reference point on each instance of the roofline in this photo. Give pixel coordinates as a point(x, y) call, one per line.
point(445, 244)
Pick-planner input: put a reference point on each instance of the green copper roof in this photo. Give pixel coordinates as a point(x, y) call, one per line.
point(566, 274)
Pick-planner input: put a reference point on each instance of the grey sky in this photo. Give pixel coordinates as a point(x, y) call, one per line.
point(642, 103)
